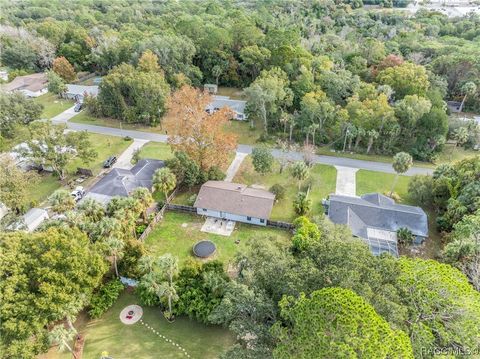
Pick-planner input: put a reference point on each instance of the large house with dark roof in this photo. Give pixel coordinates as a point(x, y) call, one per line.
point(234, 202)
point(121, 182)
point(376, 218)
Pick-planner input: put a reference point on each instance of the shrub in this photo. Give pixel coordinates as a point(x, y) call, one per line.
point(279, 191)
point(127, 138)
point(104, 298)
point(215, 174)
point(136, 156)
point(191, 200)
point(405, 236)
point(132, 252)
point(302, 204)
point(140, 229)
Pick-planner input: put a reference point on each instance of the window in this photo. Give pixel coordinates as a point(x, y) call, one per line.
point(262, 221)
point(204, 209)
point(249, 218)
point(240, 116)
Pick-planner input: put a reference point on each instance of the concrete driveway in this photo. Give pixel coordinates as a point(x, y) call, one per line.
point(125, 159)
point(346, 181)
point(65, 115)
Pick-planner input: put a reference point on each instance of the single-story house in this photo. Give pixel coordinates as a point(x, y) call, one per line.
point(211, 88)
point(237, 106)
point(34, 218)
point(235, 202)
point(376, 218)
point(33, 85)
point(78, 92)
point(120, 182)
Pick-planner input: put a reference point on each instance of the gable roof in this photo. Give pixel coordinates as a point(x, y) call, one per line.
point(33, 83)
point(224, 101)
point(120, 182)
point(81, 90)
point(34, 217)
point(236, 199)
point(376, 219)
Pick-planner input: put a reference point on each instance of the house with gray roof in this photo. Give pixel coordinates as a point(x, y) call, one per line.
point(32, 85)
point(376, 218)
point(121, 182)
point(78, 92)
point(234, 202)
point(237, 106)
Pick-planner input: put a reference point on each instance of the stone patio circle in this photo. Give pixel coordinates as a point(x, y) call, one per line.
point(131, 314)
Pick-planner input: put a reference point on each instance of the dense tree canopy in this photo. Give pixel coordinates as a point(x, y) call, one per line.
point(42, 274)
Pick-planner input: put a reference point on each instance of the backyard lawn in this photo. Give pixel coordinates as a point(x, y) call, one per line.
point(178, 232)
point(371, 181)
point(53, 105)
point(322, 182)
point(137, 341)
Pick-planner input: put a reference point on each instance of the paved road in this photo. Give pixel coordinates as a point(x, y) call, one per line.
point(293, 156)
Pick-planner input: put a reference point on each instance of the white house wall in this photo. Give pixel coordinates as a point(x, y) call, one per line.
point(231, 217)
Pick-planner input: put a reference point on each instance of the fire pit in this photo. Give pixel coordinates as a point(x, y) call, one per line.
point(131, 314)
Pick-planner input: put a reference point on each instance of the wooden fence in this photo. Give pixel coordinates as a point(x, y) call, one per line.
point(158, 216)
point(279, 224)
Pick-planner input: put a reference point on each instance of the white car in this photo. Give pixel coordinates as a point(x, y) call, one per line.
point(78, 193)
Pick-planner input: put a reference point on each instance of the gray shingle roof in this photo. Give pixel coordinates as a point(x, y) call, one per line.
point(81, 90)
point(220, 102)
point(376, 218)
point(120, 182)
point(235, 198)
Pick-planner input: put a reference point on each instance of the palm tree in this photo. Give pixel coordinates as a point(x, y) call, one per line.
point(168, 266)
point(402, 161)
point(92, 209)
point(164, 180)
point(461, 136)
point(299, 172)
point(469, 88)
point(62, 337)
point(71, 310)
point(115, 248)
point(61, 201)
point(144, 197)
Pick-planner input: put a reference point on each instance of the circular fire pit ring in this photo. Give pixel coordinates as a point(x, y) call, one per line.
point(204, 249)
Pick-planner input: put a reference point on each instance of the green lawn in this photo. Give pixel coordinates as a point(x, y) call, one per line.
point(53, 105)
point(105, 146)
point(371, 181)
point(156, 150)
point(322, 182)
point(137, 341)
point(85, 118)
point(178, 232)
point(246, 134)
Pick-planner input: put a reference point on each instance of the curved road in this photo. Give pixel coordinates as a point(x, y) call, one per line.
point(328, 160)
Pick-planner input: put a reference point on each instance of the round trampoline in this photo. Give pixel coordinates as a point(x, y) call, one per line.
point(204, 249)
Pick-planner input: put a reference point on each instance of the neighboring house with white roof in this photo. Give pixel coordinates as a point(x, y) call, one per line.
point(376, 218)
point(33, 85)
point(78, 92)
point(33, 219)
point(237, 106)
point(3, 210)
point(235, 202)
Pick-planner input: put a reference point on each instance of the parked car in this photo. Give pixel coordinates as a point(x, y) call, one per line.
point(78, 107)
point(78, 193)
point(109, 162)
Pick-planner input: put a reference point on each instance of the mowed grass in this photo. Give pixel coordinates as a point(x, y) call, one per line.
point(52, 105)
point(322, 181)
point(137, 341)
point(372, 181)
point(178, 232)
point(105, 146)
point(156, 150)
point(85, 118)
